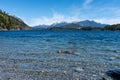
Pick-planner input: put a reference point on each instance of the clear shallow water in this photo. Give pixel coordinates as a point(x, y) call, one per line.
point(33, 54)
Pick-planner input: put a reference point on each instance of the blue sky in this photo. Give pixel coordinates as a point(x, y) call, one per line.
point(35, 12)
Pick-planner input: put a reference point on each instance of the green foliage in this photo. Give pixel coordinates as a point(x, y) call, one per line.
point(73, 26)
point(91, 28)
point(69, 27)
point(77, 27)
point(9, 22)
point(112, 27)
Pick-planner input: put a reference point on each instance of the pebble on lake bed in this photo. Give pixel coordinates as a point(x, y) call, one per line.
point(66, 52)
point(78, 70)
point(60, 51)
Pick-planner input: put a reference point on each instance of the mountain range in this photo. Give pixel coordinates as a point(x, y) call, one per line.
point(86, 23)
point(9, 22)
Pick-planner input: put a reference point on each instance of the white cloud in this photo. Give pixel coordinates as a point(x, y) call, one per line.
point(79, 14)
point(56, 18)
point(109, 21)
point(86, 3)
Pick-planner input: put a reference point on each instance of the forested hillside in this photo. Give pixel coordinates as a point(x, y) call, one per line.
point(9, 22)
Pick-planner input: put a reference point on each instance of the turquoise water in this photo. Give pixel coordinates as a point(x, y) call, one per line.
point(32, 55)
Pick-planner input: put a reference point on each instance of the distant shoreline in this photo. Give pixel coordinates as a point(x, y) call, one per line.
point(56, 30)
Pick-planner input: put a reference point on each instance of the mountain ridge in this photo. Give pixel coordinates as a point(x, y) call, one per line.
point(85, 23)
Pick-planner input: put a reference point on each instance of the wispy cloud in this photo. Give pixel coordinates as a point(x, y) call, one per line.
point(56, 18)
point(77, 13)
point(108, 21)
point(86, 3)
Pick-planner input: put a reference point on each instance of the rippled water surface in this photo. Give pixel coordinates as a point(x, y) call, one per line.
point(32, 55)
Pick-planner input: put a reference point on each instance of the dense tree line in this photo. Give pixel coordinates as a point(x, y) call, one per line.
point(74, 26)
point(9, 22)
point(68, 26)
point(112, 27)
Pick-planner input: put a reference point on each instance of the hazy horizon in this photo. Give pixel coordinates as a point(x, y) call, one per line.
point(38, 12)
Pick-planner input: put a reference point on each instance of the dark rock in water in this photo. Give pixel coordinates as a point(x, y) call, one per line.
point(69, 52)
point(117, 51)
point(115, 74)
point(66, 52)
point(70, 42)
point(104, 78)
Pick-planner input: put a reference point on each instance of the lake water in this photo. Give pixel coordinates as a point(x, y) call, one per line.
point(32, 55)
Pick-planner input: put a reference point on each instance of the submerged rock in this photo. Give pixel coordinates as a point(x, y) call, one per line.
point(115, 74)
point(70, 42)
point(78, 70)
point(69, 52)
point(65, 52)
point(104, 78)
point(117, 51)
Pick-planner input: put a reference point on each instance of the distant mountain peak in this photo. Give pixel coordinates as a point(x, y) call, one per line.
point(41, 26)
point(90, 23)
point(85, 23)
point(59, 24)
